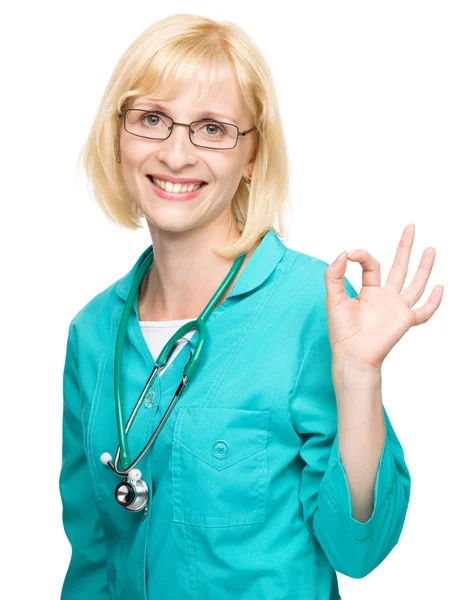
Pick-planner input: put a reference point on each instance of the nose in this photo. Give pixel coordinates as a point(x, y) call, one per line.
point(180, 136)
point(177, 149)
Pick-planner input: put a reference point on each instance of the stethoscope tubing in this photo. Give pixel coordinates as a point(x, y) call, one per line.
point(192, 363)
point(125, 472)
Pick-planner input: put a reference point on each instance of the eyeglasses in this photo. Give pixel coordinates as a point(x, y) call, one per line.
point(206, 133)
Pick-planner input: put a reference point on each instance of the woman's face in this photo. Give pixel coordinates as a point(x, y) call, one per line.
point(176, 156)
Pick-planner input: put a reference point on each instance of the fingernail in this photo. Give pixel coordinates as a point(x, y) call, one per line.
point(341, 255)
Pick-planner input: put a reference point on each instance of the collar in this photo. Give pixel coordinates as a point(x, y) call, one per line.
point(258, 268)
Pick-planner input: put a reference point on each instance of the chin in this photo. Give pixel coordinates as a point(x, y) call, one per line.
point(171, 225)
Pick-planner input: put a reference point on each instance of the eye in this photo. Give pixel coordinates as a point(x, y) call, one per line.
point(216, 128)
point(145, 117)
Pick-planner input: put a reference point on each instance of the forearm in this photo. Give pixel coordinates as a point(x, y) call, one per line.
point(361, 430)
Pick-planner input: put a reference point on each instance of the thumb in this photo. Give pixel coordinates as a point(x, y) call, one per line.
point(334, 281)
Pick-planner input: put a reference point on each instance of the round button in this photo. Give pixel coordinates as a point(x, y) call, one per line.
point(220, 448)
point(149, 400)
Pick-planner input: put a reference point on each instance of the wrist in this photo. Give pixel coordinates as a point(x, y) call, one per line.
point(352, 373)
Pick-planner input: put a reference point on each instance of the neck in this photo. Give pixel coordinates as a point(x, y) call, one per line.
point(186, 272)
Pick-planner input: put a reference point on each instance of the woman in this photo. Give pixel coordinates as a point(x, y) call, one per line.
point(277, 465)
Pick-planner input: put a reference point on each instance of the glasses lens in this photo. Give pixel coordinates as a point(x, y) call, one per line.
point(157, 126)
point(148, 124)
point(213, 134)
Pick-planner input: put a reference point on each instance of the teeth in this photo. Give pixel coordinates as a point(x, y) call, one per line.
point(175, 188)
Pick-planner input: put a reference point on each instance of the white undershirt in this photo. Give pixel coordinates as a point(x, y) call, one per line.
point(157, 333)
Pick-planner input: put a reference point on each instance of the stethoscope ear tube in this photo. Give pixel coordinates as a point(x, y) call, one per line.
point(129, 470)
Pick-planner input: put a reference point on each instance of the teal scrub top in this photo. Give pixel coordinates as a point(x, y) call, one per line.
point(251, 498)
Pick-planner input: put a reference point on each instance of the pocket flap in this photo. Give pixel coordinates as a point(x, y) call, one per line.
point(221, 436)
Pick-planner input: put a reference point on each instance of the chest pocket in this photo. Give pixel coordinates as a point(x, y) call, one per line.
point(219, 466)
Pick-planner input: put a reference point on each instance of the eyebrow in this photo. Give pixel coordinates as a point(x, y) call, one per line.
point(200, 115)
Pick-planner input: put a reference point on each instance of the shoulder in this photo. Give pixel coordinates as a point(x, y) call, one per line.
point(308, 272)
point(95, 317)
point(303, 294)
point(95, 307)
point(93, 320)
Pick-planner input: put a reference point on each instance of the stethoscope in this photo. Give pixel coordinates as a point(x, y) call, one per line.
point(133, 493)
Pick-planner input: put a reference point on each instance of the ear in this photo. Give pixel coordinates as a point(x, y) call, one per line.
point(250, 166)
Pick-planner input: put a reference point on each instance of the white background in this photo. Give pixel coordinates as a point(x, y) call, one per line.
point(370, 97)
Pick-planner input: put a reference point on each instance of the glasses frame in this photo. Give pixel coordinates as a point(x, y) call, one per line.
point(173, 123)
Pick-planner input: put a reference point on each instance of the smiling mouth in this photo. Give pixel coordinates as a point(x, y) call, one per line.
point(151, 179)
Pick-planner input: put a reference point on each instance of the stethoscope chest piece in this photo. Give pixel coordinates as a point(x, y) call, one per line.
point(132, 495)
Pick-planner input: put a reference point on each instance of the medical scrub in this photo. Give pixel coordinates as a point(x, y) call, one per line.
point(248, 495)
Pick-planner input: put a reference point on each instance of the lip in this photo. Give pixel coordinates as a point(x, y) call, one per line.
point(175, 197)
point(173, 179)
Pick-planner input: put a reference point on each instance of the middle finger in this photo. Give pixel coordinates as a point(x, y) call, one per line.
point(399, 270)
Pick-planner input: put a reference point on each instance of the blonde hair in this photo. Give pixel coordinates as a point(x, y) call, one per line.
point(180, 45)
